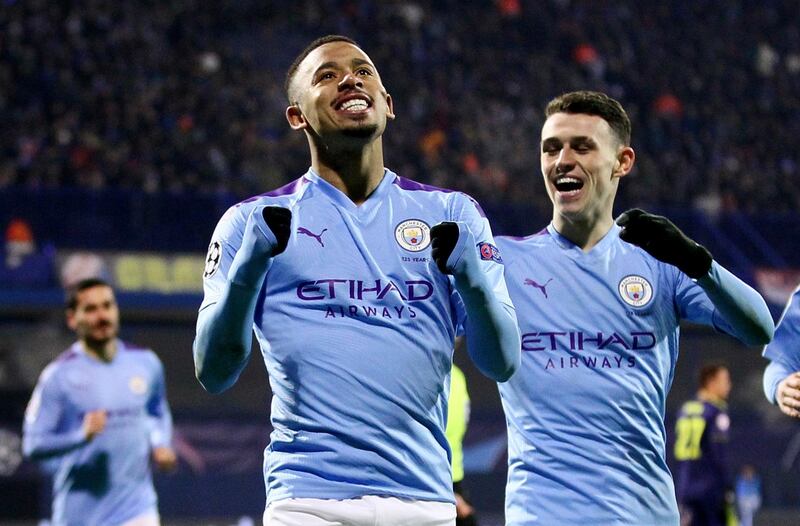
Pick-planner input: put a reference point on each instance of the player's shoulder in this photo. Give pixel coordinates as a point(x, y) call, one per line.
point(794, 300)
point(65, 359)
point(693, 407)
point(523, 243)
point(139, 352)
point(127, 346)
point(628, 255)
point(456, 199)
point(713, 407)
point(235, 218)
point(403, 184)
point(286, 196)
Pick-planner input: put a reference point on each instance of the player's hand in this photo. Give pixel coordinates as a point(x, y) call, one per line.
point(164, 458)
point(463, 508)
point(279, 220)
point(665, 242)
point(444, 237)
point(788, 395)
point(94, 422)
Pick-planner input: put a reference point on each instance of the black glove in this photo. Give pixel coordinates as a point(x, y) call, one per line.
point(443, 240)
point(279, 220)
point(665, 242)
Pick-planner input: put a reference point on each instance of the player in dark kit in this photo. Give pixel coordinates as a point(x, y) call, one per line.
point(703, 481)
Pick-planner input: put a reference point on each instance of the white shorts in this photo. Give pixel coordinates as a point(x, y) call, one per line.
point(370, 510)
point(149, 518)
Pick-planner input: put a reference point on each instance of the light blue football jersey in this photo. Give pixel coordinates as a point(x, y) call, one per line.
point(785, 347)
point(784, 350)
point(105, 481)
point(356, 328)
point(585, 410)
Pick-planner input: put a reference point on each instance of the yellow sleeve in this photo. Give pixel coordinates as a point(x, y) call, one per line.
point(457, 419)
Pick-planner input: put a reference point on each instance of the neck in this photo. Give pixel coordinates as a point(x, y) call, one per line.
point(708, 396)
point(585, 233)
point(354, 172)
point(103, 351)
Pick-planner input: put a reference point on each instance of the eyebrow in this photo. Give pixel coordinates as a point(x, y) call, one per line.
point(572, 140)
point(334, 65)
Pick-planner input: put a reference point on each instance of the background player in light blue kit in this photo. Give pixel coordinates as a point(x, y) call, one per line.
point(782, 375)
point(599, 306)
point(99, 412)
point(354, 280)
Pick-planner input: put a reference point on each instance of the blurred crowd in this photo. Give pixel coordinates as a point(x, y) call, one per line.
point(187, 96)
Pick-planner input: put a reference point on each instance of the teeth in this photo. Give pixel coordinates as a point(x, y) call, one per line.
point(567, 180)
point(354, 105)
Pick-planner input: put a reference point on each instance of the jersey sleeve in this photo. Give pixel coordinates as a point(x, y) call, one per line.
point(225, 242)
point(158, 409)
point(692, 302)
point(46, 432)
point(486, 310)
point(237, 263)
point(725, 302)
point(457, 418)
point(466, 210)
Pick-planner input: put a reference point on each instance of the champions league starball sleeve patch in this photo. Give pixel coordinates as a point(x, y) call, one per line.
point(213, 258)
point(489, 252)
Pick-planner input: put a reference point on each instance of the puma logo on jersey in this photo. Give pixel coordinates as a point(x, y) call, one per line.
point(309, 233)
point(543, 287)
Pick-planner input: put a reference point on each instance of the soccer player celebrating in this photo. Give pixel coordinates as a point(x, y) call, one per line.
point(703, 479)
point(98, 412)
point(355, 281)
point(601, 306)
point(782, 375)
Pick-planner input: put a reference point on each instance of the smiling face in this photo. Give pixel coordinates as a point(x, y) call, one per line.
point(337, 95)
point(582, 161)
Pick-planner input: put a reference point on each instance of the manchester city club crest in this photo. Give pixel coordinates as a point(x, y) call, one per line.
point(635, 291)
point(413, 235)
point(137, 385)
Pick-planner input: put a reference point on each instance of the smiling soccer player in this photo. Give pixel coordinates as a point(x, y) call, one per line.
point(355, 281)
point(599, 304)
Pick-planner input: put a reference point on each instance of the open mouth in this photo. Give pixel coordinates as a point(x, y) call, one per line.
point(568, 184)
point(353, 105)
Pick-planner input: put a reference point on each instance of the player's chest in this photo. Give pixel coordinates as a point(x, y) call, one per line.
point(120, 391)
point(326, 242)
point(600, 294)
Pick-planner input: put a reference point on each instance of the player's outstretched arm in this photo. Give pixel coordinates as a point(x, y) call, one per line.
point(225, 328)
point(493, 340)
point(744, 310)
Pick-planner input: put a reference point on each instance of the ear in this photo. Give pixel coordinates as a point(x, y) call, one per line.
point(295, 117)
point(624, 163)
point(389, 107)
point(72, 323)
